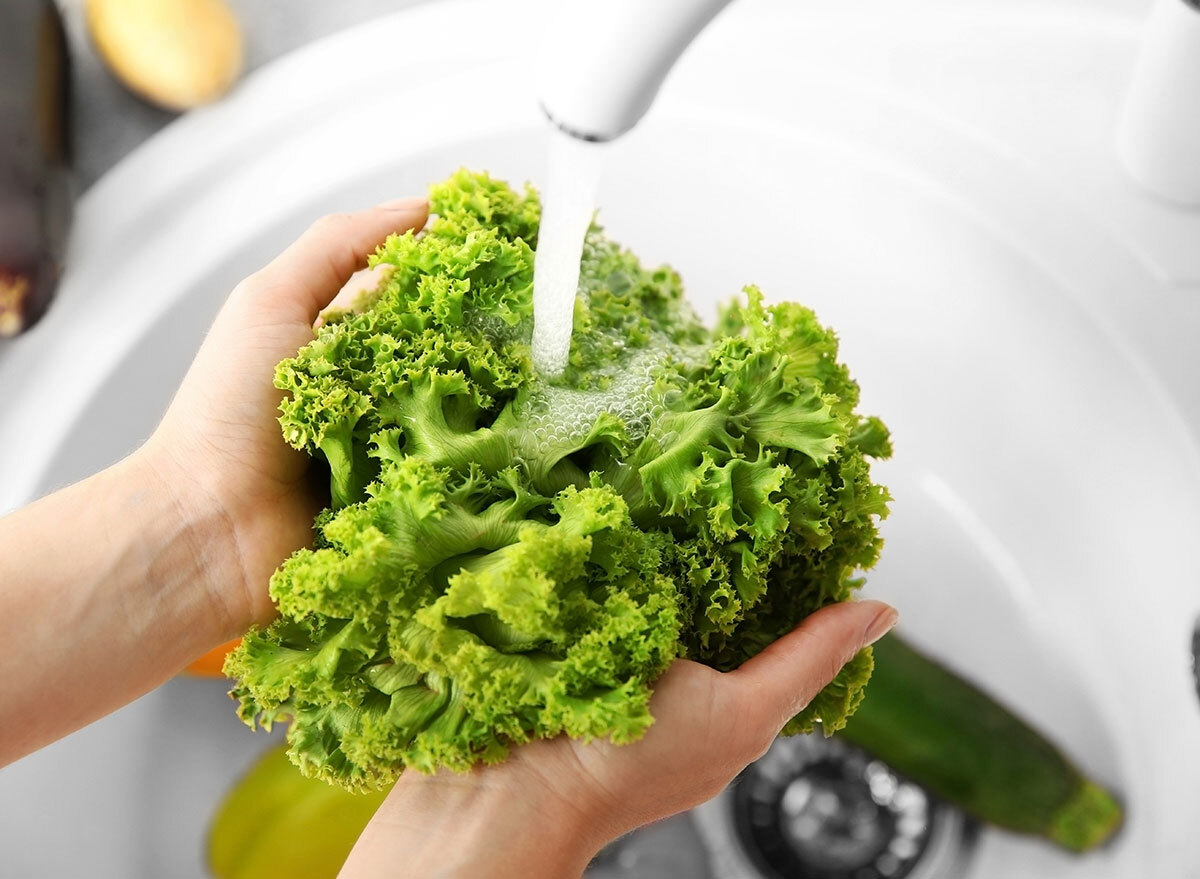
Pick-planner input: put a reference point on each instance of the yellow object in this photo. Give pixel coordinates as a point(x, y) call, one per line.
point(13, 291)
point(276, 822)
point(174, 53)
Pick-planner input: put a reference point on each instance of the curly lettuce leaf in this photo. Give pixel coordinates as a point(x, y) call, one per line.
point(508, 558)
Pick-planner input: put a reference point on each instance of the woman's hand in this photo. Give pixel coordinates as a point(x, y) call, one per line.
point(112, 585)
point(219, 449)
point(553, 804)
point(548, 809)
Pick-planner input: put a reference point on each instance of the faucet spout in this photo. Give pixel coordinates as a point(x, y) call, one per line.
point(603, 61)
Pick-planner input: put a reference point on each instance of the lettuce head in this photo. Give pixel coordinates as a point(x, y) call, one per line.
point(507, 557)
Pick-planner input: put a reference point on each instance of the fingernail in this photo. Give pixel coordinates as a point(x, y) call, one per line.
point(408, 203)
point(881, 625)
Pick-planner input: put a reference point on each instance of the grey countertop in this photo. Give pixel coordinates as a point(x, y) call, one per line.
point(110, 121)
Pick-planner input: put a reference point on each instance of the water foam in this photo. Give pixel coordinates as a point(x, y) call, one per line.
point(566, 415)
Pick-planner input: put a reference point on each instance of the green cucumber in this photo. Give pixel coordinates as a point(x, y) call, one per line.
point(276, 822)
point(945, 734)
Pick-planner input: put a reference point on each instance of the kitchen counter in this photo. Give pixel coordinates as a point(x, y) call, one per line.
point(110, 122)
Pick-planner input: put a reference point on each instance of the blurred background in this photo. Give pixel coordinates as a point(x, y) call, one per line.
point(112, 121)
point(995, 205)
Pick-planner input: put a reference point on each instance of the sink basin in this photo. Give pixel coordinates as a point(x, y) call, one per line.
point(936, 181)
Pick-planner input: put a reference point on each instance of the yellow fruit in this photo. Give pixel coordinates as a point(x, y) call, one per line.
point(174, 53)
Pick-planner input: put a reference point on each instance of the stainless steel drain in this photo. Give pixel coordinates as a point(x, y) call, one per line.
point(816, 808)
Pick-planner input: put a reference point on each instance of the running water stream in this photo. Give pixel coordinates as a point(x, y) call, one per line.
point(568, 204)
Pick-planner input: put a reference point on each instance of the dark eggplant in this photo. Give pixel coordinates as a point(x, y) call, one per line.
point(35, 178)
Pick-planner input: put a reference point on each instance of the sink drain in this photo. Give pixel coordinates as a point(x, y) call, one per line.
point(816, 808)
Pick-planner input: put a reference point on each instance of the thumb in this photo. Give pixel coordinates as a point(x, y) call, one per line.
point(309, 272)
point(786, 676)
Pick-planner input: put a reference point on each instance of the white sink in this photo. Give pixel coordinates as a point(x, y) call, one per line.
point(935, 178)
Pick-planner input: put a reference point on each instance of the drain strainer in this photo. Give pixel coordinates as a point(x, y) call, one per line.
point(816, 808)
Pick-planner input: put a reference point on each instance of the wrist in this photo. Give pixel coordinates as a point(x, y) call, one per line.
point(201, 534)
point(487, 823)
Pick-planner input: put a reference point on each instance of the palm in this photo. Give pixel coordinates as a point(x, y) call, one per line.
point(221, 431)
point(708, 725)
point(698, 743)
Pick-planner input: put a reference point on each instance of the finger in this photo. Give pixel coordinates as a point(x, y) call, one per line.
point(789, 673)
point(311, 271)
point(349, 298)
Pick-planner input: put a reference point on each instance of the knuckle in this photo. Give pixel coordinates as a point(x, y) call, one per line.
point(330, 224)
point(753, 739)
point(714, 780)
point(255, 287)
point(758, 745)
point(798, 702)
point(249, 284)
point(760, 724)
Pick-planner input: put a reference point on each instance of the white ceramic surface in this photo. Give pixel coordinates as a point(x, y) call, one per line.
point(1159, 135)
point(936, 178)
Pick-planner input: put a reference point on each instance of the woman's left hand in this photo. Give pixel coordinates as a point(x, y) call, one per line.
point(219, 449)
point(114, 584)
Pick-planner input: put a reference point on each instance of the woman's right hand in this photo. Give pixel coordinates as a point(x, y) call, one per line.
point(553, 804)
